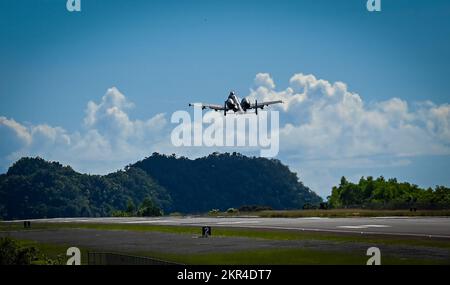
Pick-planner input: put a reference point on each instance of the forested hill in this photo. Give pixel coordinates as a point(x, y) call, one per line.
point(227, 180)
point(35, 188)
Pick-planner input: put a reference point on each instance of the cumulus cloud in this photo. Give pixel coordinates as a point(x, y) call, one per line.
point(17, 129)
point(264, 79)
point(13, 136)
point(329, 121)
point(109, 138)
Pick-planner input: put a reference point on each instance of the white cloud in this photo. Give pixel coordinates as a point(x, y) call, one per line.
point(329, 121)
point(264, 79)
point(110, 116)
point(13, 136)
point(109, 140)
point(19, 131)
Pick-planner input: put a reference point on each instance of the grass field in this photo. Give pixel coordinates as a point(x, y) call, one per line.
point(253, 257)
point(287, 257)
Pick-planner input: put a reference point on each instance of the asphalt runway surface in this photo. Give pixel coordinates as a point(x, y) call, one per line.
point(435, 227)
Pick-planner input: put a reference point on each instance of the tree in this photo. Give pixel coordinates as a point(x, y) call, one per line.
point(12, 254)
point(130, 207)
point(149, 209)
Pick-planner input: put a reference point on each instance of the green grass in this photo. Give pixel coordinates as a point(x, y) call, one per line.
point(286, 257)
point(248, 257)
point(54, 252)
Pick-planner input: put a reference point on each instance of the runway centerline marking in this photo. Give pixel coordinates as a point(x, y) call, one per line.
point(239, 222)
point(363, 226)
point(150, 222)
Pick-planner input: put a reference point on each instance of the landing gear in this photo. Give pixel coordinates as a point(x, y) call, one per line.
point(256, 107)
point(225, 108)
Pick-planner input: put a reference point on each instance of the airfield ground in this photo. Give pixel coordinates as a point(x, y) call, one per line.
point(247, 240)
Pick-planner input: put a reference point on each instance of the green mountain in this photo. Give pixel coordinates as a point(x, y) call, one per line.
point(222, 181)
point(35, 188)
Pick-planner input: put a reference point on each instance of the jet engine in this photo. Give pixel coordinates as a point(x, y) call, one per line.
point(230, 104)
point(245, 104)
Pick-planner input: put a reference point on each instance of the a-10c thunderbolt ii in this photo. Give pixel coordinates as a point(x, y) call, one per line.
point(233, 103)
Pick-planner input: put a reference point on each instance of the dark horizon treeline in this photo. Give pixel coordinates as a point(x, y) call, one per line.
point(387, 194)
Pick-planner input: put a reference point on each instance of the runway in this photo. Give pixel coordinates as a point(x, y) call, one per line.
point(432, 227)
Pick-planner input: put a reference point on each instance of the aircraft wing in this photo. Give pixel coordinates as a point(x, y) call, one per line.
point(263, 104)
point(208, 106)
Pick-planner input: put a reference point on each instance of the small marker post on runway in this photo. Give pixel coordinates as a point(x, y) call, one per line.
point(206, 231)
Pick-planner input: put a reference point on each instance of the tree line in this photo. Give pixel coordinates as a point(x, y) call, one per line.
point(380, 193)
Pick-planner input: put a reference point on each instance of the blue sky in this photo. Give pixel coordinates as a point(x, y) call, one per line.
point(162, 54)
